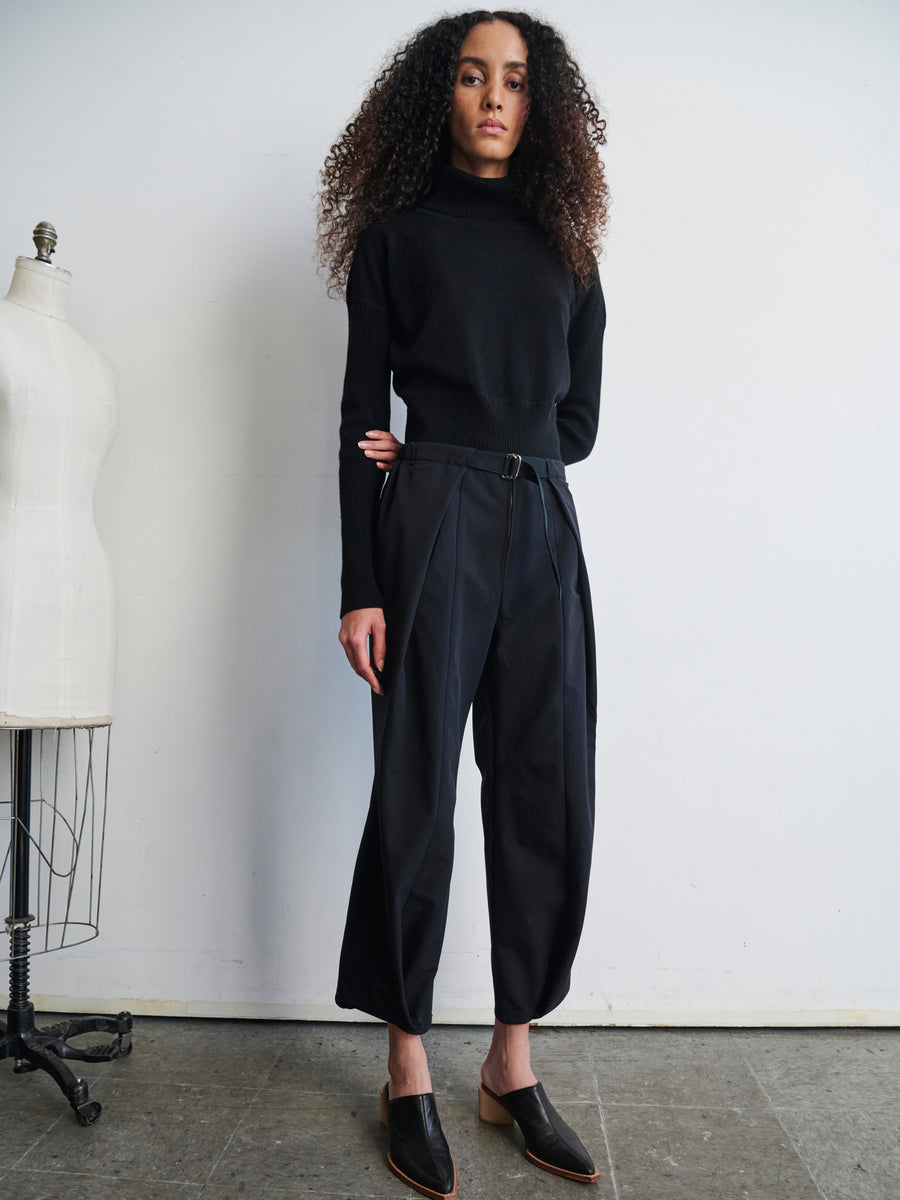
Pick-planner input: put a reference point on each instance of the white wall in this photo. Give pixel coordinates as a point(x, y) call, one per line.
point(739, 513)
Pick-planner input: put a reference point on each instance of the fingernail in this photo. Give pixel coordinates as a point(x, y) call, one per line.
point(380, 665)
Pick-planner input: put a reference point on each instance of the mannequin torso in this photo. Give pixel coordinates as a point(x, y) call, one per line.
point(57, 422)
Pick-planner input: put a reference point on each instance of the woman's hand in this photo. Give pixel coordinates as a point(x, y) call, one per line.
point(357, 626)
point(382, 446)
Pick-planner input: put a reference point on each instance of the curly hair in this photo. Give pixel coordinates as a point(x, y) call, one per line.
point(386, 158)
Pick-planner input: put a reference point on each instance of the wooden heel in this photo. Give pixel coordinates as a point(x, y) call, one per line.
point(384, 1104)
point(491, 1110)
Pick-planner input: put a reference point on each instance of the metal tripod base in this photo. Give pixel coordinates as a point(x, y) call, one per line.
point(44, 1050)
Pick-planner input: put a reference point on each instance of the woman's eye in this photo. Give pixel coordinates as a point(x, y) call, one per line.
point(516, 84)
point(469, 79)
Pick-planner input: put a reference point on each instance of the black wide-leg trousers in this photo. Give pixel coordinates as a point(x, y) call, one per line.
point(486, 604)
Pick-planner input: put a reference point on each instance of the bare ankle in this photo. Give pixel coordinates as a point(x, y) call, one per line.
point(407, 1064)
point(508, 1064)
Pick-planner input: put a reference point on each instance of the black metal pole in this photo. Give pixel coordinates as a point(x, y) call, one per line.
point(19, 921)
point(20, 876)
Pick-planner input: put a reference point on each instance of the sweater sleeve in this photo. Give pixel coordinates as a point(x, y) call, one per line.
point(577, 413)
point(366, 404)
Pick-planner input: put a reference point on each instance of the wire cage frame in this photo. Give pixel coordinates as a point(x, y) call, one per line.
point(66, 834)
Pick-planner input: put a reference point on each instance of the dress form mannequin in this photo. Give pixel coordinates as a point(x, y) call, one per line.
point(57, 421)
point(57, 638)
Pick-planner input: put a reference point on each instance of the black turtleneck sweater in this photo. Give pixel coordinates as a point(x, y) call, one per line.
point(490, 341)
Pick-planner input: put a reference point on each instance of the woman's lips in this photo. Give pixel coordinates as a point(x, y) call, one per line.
point(493, 127)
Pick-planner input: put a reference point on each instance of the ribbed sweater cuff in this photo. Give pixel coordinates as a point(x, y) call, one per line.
point(351, 600)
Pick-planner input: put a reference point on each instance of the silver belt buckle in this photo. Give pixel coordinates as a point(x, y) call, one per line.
point(508, 472)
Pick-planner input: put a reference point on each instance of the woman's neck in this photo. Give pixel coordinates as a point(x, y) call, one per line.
point(40, 287)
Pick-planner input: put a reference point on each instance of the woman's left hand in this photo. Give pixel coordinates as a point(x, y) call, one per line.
point(381, 446)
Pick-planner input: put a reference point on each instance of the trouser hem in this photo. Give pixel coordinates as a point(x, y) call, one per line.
point(381, 1014)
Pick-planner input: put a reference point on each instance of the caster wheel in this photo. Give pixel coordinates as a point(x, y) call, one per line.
point(125, 1046)
point(89, 1112)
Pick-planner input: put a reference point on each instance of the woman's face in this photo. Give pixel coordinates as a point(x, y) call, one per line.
point(490, 99)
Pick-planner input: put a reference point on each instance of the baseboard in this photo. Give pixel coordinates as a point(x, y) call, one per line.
point(605, 1018)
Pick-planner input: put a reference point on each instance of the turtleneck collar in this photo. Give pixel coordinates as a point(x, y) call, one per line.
point(461, 194)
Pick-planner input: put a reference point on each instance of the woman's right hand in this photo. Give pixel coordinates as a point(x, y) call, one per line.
point(381, 446)
point(357, 626)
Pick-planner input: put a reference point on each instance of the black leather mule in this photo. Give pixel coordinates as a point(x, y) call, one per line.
point(549, 1142)
point(418, 1153)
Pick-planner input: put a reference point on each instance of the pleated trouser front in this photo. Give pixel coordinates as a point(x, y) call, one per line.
point(486, 604)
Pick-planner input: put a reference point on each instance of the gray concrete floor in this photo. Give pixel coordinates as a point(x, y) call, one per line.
point(282, 1110)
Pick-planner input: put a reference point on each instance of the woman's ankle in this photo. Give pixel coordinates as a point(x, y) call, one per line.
point(508, 1064)
point(407, 1064)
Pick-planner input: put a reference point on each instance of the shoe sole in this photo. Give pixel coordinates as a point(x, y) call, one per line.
point(559, 1170)
point(420, 1187)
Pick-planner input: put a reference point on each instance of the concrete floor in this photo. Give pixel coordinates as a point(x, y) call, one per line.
point(277, 1111)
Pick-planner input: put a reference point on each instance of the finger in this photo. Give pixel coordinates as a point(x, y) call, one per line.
point(378, 646)
point(384, 441)
point(361, 664)
point(351, 656)
point(363, 669)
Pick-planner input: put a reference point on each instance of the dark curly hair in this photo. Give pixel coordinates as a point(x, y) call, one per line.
point(385, 159)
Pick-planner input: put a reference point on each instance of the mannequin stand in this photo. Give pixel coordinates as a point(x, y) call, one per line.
point(44, 1049)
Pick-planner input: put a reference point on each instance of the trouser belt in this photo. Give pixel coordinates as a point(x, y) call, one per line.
point(507, 466)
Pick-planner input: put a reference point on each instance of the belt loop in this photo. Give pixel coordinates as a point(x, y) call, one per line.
point(507, 472)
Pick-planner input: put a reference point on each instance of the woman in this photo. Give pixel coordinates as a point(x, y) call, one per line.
point(466, 201)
